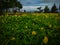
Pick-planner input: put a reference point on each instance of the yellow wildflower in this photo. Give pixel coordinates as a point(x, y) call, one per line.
point(50, 25)
point(13, 38)
point(45, 40)
point(15, 15)
point(46, 16)
point(12, 28)
point(24, 15)
point(33, 32)
point(42, 28)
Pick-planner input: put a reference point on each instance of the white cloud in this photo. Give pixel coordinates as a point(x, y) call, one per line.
point(37, 2)
point(31, 8)
point(31, 5)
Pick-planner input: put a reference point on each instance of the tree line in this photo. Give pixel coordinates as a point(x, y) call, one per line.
point(6, 4)
point(53, 9)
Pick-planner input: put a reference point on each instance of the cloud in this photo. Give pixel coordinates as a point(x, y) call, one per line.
point(37, 2)
point(31, 5)
point(33, 8)
point(30, 8)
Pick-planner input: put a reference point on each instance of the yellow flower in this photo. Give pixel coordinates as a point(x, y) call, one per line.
point(45, 40)
point(50, 25)
point(42, 28)
point(13, 38)
point(12, 28)
point(24, 15)
point(15, 15)
point(46, 16)
point(33, 32)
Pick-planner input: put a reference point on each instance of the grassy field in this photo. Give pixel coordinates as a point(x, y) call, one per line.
point(30, 29)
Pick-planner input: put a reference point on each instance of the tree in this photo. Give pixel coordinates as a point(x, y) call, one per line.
point(6, 4)
point(46, 9)
point(59, 7)
point(39, 8)
point(19, 5)
point(24, 10)
point(1, 7)
point(15, 3)
point(54, 8)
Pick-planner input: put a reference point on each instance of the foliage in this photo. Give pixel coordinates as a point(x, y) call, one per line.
point(46, 9)
point(6, 4)
point(54, 8)
point(59, 7)
point(30, 29)
point(40, 10)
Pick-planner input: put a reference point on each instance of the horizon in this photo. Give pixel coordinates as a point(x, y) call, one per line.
point(32, 5)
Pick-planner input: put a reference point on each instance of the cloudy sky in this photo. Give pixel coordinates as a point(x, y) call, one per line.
point(30, 5)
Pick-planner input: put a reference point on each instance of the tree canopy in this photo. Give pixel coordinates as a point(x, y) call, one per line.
point(46, 9)
point(54, 8)
point(40, 10)
point(6, 4)
point(59, 7)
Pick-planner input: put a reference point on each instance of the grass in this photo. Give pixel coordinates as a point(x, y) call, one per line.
point(30, 29)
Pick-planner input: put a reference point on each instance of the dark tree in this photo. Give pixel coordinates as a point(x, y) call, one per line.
point(24, 10)
point(15, 3)
point(40, 10)
point(6, 4)
point(54, 8)
point(59, 7)
point(1, 7)
point(19, 5)
point(46, 9)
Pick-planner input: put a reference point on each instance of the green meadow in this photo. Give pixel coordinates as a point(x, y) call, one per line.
point(30, 29)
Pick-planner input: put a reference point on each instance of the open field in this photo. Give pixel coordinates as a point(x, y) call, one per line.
point(30, 29)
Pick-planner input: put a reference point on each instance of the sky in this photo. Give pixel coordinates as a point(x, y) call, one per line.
point(32, 5)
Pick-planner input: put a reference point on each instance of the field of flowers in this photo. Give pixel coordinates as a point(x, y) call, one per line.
point(30, 29)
